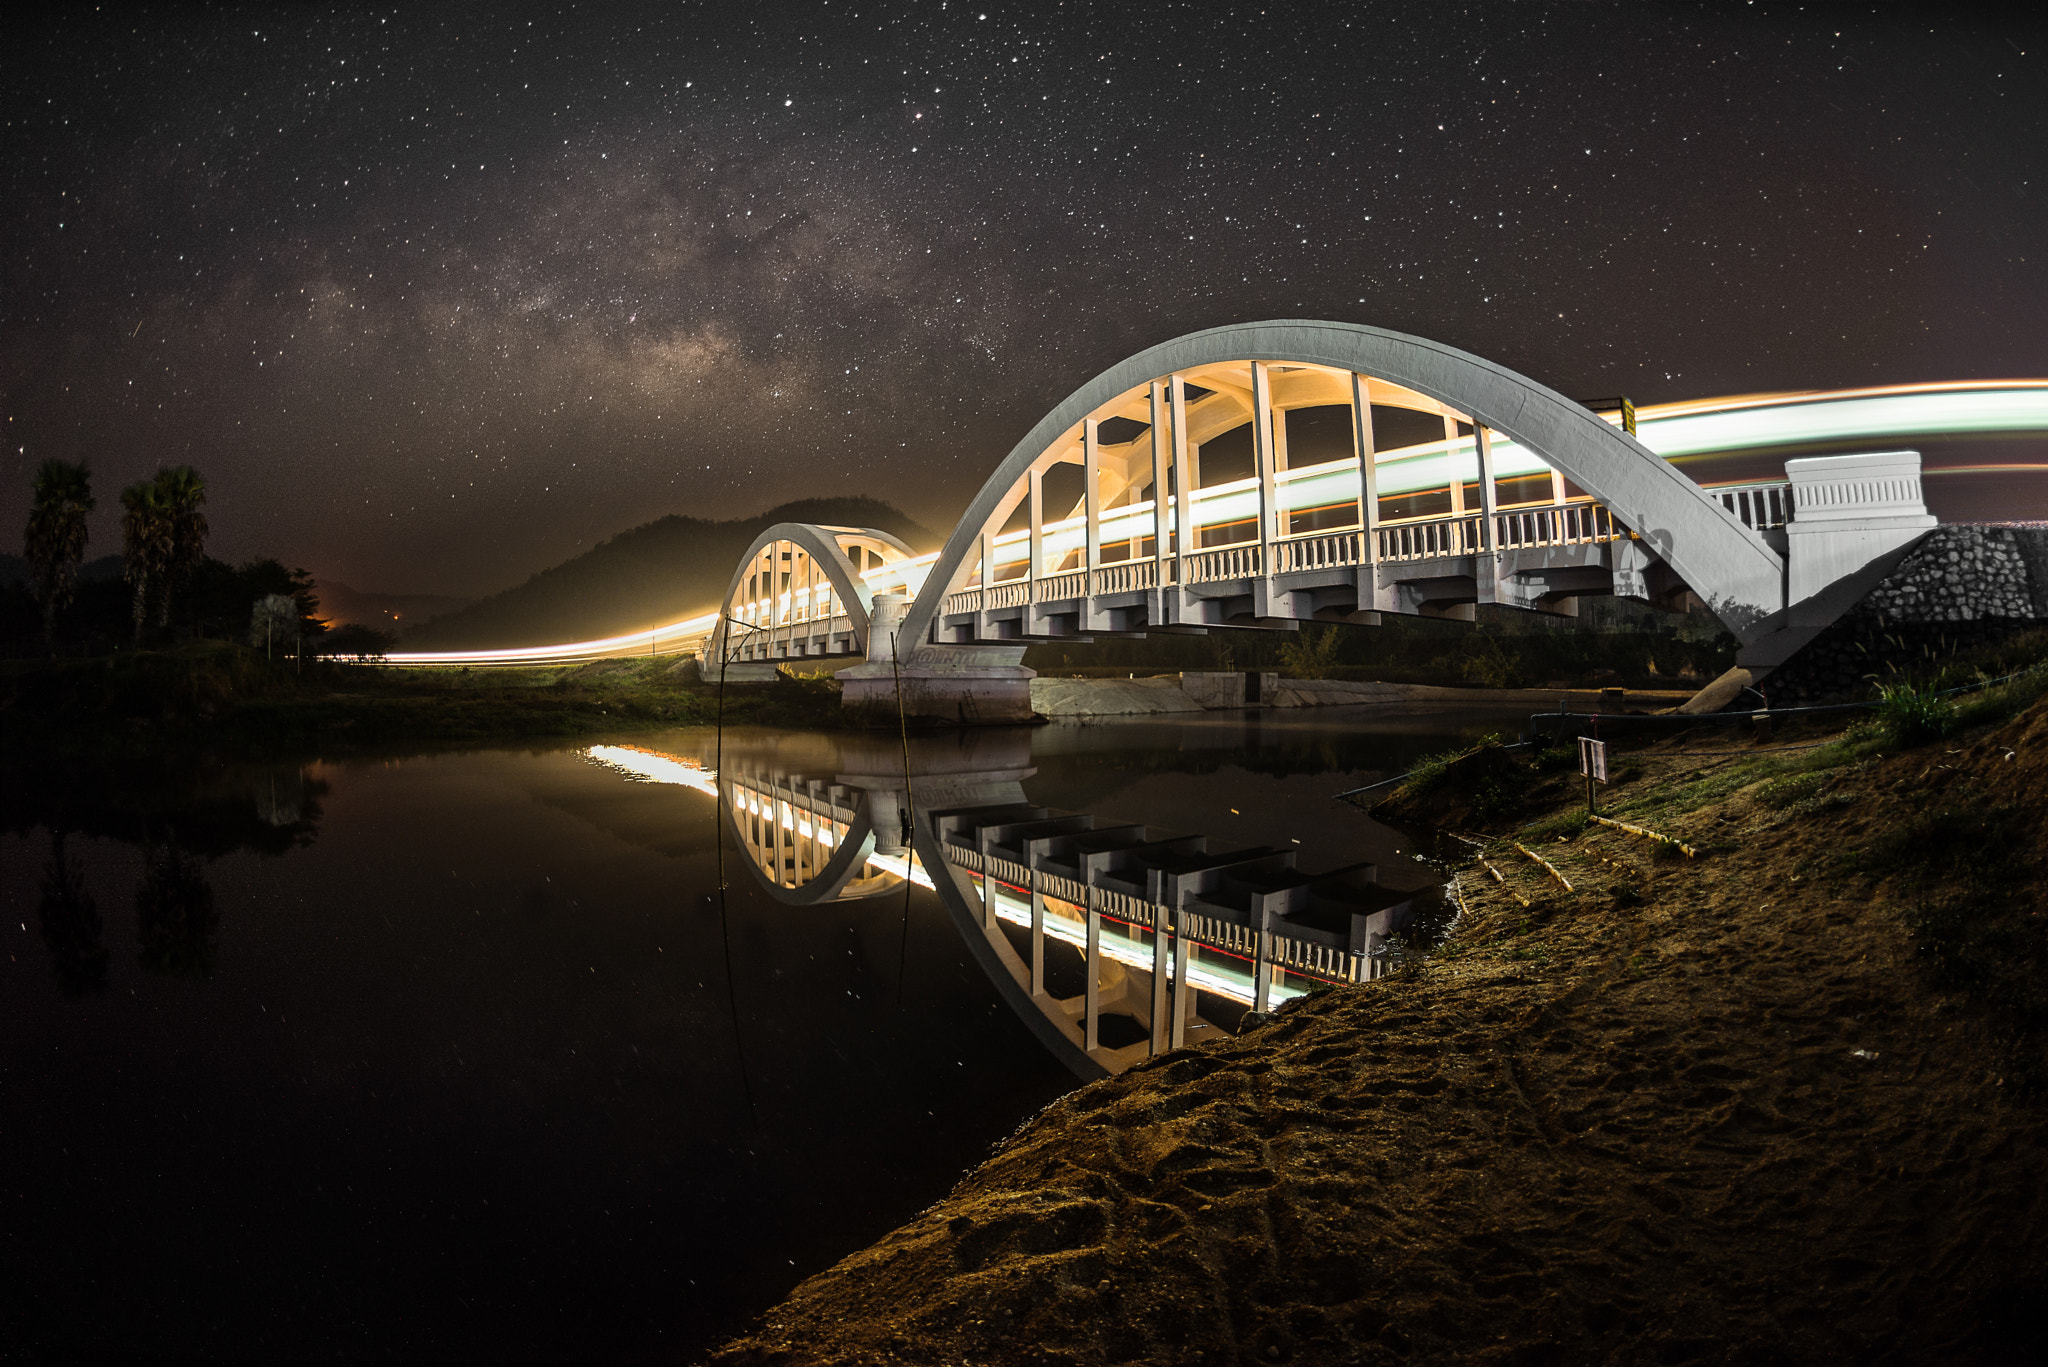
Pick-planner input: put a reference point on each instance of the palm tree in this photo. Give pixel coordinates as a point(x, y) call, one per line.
point(181, 489)
point(56, 536)
point(145, 544)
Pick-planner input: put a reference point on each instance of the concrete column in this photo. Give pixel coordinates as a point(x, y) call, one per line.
point(1262, 962)
point(1091, 501)
point(1037, 939)
point(1451, 459)
point(988, 564)
point(1557, 489)
point(1184, 491)
point(1160, 529)
point(1091, 1001)
point(1262, 456)
point(1488, 502)
point(1368, 470)
point(1037, 499)
point(810, 600)
point(1183, 997)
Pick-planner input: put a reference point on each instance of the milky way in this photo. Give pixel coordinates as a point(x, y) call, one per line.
point(436, 297)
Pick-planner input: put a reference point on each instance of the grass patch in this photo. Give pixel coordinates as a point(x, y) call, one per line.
point(1914, 714)
point(1780, 793)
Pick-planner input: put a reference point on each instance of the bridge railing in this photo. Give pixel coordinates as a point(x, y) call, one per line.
point(1573, 524)
point(1437, 538)
point(1757, 506)
point(1317, 551)
point(1225, 562)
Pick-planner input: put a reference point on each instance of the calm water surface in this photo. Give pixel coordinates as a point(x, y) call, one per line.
point(465, 1055)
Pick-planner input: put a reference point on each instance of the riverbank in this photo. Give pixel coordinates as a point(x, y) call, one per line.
point(1782, 1100)
point(231, 698)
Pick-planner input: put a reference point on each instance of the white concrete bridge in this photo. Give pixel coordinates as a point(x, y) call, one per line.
point(1271, 474)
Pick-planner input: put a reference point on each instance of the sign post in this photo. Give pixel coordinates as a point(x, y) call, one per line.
point(1593, 764)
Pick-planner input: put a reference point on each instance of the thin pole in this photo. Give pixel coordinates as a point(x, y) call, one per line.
point(909, 818)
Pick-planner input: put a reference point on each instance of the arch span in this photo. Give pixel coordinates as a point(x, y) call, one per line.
point(1639, 512)
point(802, 591)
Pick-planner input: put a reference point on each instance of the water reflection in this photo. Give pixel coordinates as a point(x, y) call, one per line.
point(70, 923)
point(174, 915)
point(1113, 941)
point(180, 811)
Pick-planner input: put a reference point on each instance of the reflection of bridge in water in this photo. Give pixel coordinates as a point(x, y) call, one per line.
point(1113, 942)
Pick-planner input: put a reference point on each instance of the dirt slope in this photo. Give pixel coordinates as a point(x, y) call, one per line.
point(1781, 1103)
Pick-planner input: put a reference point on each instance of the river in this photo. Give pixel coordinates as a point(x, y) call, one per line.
point(539, 1051)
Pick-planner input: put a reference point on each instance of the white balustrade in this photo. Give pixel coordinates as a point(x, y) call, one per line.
point(1320, 551)
point(1436, 539)
point(1757, 506)
point(1229, 562)
point(1571, 524)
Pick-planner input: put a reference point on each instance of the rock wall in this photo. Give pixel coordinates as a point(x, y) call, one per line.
point(1959, 589)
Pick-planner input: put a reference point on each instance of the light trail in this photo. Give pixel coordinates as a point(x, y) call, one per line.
point(677, 634)
point(1682, 433)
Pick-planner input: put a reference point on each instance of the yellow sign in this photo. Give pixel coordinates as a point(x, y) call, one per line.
point(1628, 417)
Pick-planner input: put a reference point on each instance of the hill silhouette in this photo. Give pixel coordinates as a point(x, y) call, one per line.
point(660, 572)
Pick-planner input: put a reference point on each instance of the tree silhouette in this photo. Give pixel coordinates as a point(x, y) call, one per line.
point(55, 541)
point(145, 545)
point(71, 923)
point(174, 915)
point(182, 490)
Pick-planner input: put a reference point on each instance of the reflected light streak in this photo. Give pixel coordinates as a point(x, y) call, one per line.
point(651, 766)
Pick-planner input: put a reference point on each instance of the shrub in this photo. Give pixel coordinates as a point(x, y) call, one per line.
point(1312, 655)
point(1913, 714)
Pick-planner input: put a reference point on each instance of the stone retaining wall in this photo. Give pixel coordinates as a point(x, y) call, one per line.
point(1959, 589)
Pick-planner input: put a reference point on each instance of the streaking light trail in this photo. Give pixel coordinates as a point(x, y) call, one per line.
point(1682, 433)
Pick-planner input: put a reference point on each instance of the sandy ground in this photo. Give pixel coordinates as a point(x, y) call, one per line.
point(1779, 1103)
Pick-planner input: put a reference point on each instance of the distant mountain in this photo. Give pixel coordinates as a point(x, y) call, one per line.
point(341, 604)
point(14, 569)
point(664, 571)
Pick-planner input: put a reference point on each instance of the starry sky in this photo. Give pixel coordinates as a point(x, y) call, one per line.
point(436, 296)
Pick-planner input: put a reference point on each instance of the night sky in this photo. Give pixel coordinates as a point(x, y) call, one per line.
point(437, 296)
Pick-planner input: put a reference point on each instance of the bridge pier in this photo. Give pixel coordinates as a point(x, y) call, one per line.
point(967, 685)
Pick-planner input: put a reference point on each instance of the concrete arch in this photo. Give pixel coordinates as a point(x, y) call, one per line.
point(790, 618)
point(1730, 566)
